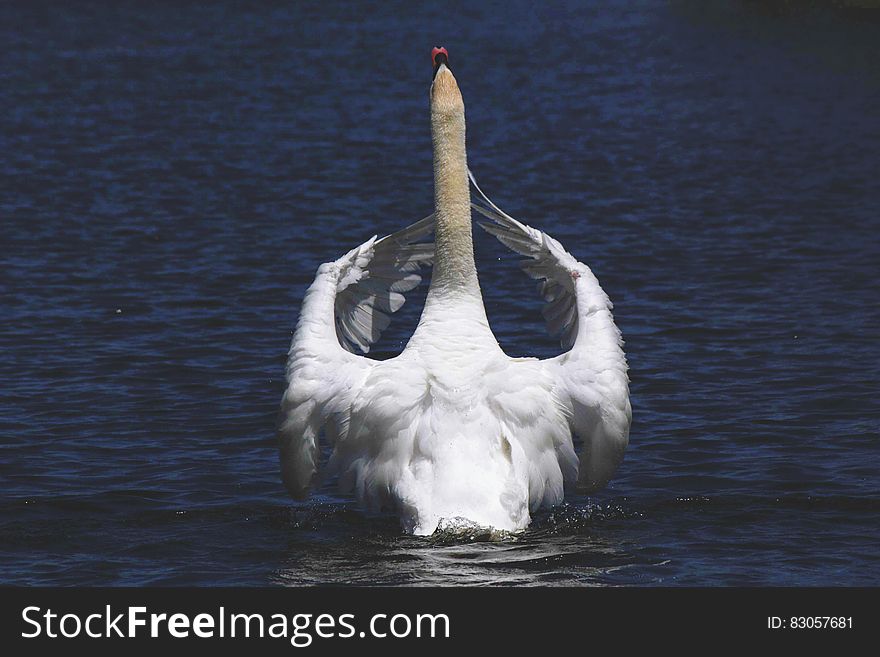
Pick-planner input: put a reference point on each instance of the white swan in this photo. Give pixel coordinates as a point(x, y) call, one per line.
point(452, 427)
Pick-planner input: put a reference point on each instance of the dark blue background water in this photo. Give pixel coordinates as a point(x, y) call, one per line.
point(173, 174)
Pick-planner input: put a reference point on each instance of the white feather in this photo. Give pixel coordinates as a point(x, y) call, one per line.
point(453, 427)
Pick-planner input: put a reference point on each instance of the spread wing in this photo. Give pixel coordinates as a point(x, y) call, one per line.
point(346, 308)
point(372, 280)
point(590, 379)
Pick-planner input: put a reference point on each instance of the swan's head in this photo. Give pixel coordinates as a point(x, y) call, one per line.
point(446, 101)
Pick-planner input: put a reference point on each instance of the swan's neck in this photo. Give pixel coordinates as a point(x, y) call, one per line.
point(454, 269)
point(453, 322)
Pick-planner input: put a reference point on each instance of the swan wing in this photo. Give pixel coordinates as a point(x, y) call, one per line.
point(590, 379)
point(347, 307)
point(372, 279)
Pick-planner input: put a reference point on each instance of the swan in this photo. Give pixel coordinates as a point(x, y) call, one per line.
point(452, 429)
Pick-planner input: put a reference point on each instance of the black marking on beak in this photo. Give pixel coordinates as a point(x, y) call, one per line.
point(439, 58)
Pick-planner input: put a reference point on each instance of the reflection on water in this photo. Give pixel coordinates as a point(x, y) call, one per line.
point(647, 542)
point(558, 548)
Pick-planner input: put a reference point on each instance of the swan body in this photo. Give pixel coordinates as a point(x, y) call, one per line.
point(452, 428)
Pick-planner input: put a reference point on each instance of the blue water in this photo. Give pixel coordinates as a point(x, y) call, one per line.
point(172, 174)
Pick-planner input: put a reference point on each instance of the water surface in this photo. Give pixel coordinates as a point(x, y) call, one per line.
point(173, 174)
